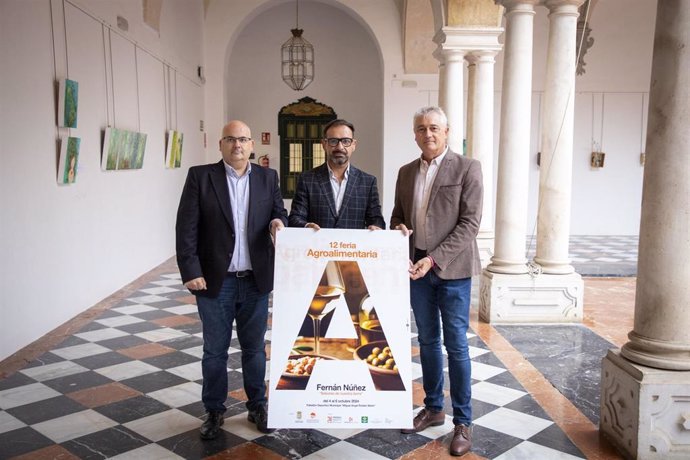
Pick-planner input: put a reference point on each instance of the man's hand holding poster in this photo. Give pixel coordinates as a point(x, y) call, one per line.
point(340, 344)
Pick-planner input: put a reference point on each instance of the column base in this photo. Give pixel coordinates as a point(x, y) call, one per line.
point(645, 412)
point(526, 299)
point(485, 242)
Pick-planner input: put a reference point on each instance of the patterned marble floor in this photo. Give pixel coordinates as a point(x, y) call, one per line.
point(123, 380)
point(599, 255)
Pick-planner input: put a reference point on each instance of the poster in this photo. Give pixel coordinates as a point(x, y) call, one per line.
point(340, 341)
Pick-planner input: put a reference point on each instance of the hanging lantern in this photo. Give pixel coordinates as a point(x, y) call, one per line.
point(297, 59)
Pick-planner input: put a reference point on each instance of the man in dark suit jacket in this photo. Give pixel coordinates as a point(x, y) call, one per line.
point(336, 194)
point(228, 214)
point(439, 196)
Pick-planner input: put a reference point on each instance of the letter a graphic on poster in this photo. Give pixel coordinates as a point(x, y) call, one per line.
point(341, 278)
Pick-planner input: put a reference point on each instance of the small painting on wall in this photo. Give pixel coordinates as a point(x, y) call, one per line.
point(597, 160)
point(123, 149)
point(69, 160)
point(68, 103)
point(173, 152)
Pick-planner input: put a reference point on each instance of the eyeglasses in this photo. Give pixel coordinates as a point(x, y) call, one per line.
point(241, 140)
point(333, 141)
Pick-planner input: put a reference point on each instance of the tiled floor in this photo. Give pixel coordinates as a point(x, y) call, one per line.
point(599, 255)
point(123, 380)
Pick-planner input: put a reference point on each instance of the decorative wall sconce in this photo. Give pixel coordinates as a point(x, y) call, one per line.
point(597, 160)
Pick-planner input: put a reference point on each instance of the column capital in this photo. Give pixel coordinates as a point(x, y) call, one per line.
point(469, 39)
point(449, 55)
point(484, 56)
point(518, 6)
point(563, 6)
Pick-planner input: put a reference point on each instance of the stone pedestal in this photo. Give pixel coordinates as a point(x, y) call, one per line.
point(527, 299)
point(645, 412)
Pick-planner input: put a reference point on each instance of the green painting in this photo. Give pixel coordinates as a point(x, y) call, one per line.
point(123, 149)
point(173, 153)
point(69, 160)
point(68, 103)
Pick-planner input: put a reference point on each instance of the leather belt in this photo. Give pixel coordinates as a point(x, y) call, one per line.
point(240, 274)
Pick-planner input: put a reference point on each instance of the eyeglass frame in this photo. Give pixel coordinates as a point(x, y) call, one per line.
point(334, 141)
point(230, 139)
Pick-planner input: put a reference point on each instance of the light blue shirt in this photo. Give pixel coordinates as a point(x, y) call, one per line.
point(238, 187)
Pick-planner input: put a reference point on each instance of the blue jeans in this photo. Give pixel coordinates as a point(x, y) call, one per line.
point(443, 303)
point(240, 301)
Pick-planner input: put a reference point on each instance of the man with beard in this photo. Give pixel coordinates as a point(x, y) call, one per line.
point(336, 194)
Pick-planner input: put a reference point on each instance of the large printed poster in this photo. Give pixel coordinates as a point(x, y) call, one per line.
point(340, 343)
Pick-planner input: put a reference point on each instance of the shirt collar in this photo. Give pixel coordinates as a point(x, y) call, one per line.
point(230, 171)
point(436, 160)
point(331, 174)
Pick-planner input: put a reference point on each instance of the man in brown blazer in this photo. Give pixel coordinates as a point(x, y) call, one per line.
point(438, 202)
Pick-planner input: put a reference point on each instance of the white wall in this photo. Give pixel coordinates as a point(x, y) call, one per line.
point(349, 77)
point(64, 248)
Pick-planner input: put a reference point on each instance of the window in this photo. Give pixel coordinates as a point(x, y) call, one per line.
point(300, 127)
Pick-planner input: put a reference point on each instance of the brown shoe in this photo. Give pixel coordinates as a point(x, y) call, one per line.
point(424, 419)
point(462, 440)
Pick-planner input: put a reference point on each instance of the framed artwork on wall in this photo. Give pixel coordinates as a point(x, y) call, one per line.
point(173, 152)
point(68, 103)
point(597, 160)
point(123, 149)
point(69, 160)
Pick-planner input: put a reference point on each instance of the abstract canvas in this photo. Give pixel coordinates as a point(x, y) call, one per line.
point(173, 152)
point(68, 103)
point(123, 149)
point(69, 160)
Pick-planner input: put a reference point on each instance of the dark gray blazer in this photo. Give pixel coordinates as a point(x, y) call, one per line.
point(453, 214)
point(205, 231)
point(314, 201)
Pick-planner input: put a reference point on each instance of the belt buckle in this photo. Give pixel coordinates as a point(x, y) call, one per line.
point(242, 274)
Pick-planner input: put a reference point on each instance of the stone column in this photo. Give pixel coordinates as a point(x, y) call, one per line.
point(509, 265)
point(451, 96)
point(480, 138)
point(509, 290)
point(556, 166)
point(645, 407)
point(513, 150)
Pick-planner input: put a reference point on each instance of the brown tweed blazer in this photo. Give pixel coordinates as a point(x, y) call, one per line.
point(453, 214)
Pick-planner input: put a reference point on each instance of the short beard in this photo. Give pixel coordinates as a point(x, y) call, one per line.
point(339, 160)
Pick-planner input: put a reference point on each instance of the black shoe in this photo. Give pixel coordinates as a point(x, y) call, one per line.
point(211, 427)
point(260, 417)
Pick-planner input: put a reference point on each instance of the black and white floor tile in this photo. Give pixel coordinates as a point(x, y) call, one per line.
point(128, 385)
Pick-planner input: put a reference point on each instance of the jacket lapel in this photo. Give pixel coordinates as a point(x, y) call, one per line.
point(326, 189)
point(352, 180)
point(220, 187)
point(442, 174)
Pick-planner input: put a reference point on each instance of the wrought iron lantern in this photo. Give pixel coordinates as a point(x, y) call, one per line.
point(297, 58)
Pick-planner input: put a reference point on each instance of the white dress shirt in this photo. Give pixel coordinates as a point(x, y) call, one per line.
point(422, 191)
point(338, 186)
